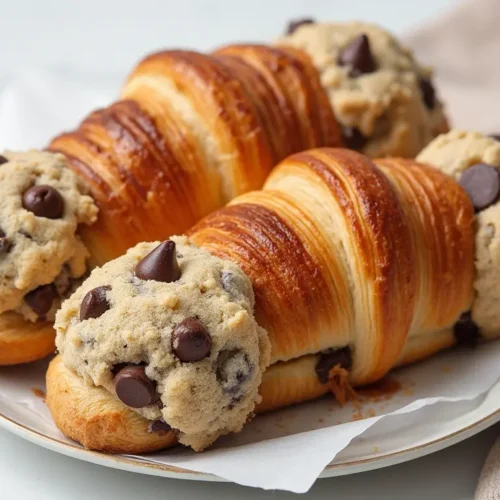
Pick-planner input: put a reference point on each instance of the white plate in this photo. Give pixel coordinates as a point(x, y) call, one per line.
point(376, 448)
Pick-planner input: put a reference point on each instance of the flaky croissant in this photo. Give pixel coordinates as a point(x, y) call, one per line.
point(191, 132)
point(354, 269)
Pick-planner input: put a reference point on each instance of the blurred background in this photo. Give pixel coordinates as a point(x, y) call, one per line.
point(60, 59)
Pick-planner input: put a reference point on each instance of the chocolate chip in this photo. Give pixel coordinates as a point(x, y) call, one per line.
point(95, 303)
point(482, 183)
point(160, 264)
point(44, 201)
point(159, 426)
point(428, 92)
point(358, 56)
point(353, 138)
point(295, 23)
point(191, 341)
point(231, 284)
point(5, 243)
point(134, 388)
point(332, 358)
point(233, 370)
point(40, 299)
point(495, 136)
point(3, 160)
point(466, 331)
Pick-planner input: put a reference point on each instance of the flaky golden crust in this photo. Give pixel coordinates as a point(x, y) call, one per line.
point(192, 132)
point(345, 252)
point(327, 249)
point(96, 419)
point(22, 341)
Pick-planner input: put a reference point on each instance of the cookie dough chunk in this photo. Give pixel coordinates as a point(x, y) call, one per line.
point(474, 161)
point(383, 98)
point(41, 255)
point(169, 330)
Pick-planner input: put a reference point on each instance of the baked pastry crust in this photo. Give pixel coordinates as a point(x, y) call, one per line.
point(96, 419)
point(191, 132)
point(22, 341)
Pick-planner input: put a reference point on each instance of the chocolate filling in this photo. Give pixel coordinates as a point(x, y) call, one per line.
point(466, 332)
point(159, 426)
point(329, 359)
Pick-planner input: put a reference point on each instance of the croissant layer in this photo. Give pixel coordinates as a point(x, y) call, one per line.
point(343, 252)
point(192, 132)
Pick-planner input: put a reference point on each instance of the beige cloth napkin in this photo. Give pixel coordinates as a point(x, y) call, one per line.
point(488, 487)
point(464, 47)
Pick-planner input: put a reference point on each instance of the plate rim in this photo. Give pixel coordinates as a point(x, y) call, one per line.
point(122, 462)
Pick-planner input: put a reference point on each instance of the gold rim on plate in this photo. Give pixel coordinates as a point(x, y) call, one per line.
point(120, 459)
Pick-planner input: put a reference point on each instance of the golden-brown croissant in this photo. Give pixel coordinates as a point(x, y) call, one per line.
point(191, 132)
point(353, 266)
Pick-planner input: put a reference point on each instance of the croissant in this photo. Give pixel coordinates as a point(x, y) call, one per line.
point(191, 132)
point(352, 264)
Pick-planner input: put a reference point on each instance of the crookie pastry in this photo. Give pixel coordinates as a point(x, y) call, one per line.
point(353, 269)
point(168, 329)
point(193, 131)
point(42, 258)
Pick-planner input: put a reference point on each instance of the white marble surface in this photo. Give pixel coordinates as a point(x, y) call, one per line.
point(99, 41)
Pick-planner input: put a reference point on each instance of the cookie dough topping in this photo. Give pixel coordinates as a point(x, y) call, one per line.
point(473, 160)
point(383, 98)
point(169, 330)
point(41, 256)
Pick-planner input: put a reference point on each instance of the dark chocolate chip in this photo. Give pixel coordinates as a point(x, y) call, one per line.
point(428, 92)
point(353, 138)
point(44, 201)
point(233, 370)
point(358, 56)
point(495, 136)
point(482, 183)
point(40, 299)
point(5, 243)
point(160, 264)
point(331, 358)
point(3, 160)
point(159, 426)
point(466, 331)
point(295, 23)
point(95, 303)
point(231, 284)
point(191, 341)
point(134, 388)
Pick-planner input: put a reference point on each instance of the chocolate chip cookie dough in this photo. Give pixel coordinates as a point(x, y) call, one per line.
point(41, 255)
point(474, 161)
point(169, 330)
point(383, 98)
